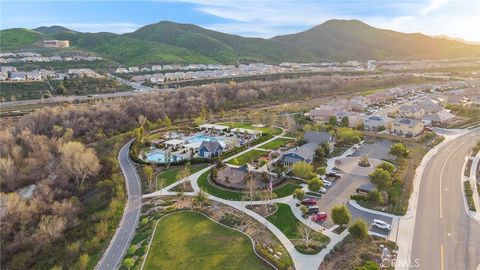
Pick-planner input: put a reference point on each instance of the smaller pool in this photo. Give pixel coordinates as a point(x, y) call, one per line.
point(159, 156)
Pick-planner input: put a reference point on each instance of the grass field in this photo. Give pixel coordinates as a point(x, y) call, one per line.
point(285, 220)
point(275, 144)
point(249, 156)
point(285, 190)
point(170, 175)
point(272, 131)
point(189, 240)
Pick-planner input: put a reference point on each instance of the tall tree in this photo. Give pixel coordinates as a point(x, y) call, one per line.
point(79, 161)
point(148, 171)
point(340, 215)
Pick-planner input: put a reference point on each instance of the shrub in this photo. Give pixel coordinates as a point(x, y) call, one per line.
point(469, 195)
point(398, 150)
point(358, 230)
point(340, 215)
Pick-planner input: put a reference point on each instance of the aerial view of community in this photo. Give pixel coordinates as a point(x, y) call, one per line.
point(211, 135)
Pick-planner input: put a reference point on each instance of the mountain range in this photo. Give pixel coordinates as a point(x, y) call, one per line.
point(169, 42)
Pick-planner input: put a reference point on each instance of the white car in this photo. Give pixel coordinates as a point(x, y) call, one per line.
point(381, 224)
point(323, 190)
point(327, 183)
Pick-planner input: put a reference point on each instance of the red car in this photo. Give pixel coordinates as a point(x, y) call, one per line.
point(309, 201)
point(322, 216)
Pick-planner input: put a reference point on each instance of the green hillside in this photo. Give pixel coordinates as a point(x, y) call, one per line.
point(353, 39)
point(222, 47)
point(168, 42)
point(15, 38)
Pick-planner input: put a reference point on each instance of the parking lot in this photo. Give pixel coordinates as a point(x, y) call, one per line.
point(379, 149)
point(339, 193)
point(341, 189)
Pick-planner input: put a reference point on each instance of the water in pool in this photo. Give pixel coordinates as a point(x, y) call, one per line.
point(201, 138)
point(158, 156)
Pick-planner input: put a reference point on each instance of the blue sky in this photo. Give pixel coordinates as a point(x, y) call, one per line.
point(260, 18)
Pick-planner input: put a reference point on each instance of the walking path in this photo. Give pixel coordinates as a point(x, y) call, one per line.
point(301, 261)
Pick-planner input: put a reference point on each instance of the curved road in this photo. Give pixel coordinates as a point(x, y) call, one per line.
point(445, 237)
point(126, 229)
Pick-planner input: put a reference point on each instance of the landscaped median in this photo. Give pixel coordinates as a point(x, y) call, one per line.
point(285, 220)
point(207, 186)
point(469, 196)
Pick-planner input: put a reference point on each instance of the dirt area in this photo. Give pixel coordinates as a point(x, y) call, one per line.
point(183, 187)
point(263, 210)
point(234, 178)
point(351, 253)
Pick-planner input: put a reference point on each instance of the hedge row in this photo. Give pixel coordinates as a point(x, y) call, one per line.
point(469, 195)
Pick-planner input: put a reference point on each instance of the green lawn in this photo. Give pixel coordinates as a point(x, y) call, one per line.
point(170, 175)
point(285, 190)
point(275, 144)
point(272, 131)
point(189, 240)
point(285, 220)
point(249, 156)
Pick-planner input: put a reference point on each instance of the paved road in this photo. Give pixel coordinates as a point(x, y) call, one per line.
point(444, 235)
point(120, 242)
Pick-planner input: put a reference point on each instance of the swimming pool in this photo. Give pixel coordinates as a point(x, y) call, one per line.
point(200, 138)
point(159, 156)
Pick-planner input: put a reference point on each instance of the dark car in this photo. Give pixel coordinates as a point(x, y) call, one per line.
point(313, 210)
point(309, 201)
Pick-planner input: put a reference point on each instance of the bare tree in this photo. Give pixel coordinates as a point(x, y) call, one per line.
point(251, 186)
point(148, 171)
point(184, 174)
point(306, 233)
point(79, 161)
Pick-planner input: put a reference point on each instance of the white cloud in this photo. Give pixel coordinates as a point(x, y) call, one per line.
point(433, 5)
point(113, 27)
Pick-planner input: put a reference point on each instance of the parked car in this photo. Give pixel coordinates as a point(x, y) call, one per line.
point(313, 210)
point(309, 201)
point(327, 183)
point(322, 216)
point(322, 190)
point(332, 174)
point(381, 224)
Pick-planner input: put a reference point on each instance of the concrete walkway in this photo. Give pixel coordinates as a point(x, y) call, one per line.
point(301, 261)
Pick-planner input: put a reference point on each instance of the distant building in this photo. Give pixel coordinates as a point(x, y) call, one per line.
point(305, 153)
point(414, 112)
point(18, 76)
point(440, 119)
point(134, 69)
point(407, 127)
point(209, 149)
point(121, 70)
point(8, 69)
point(58, 44)
point(322, 114)
point(376, 122)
